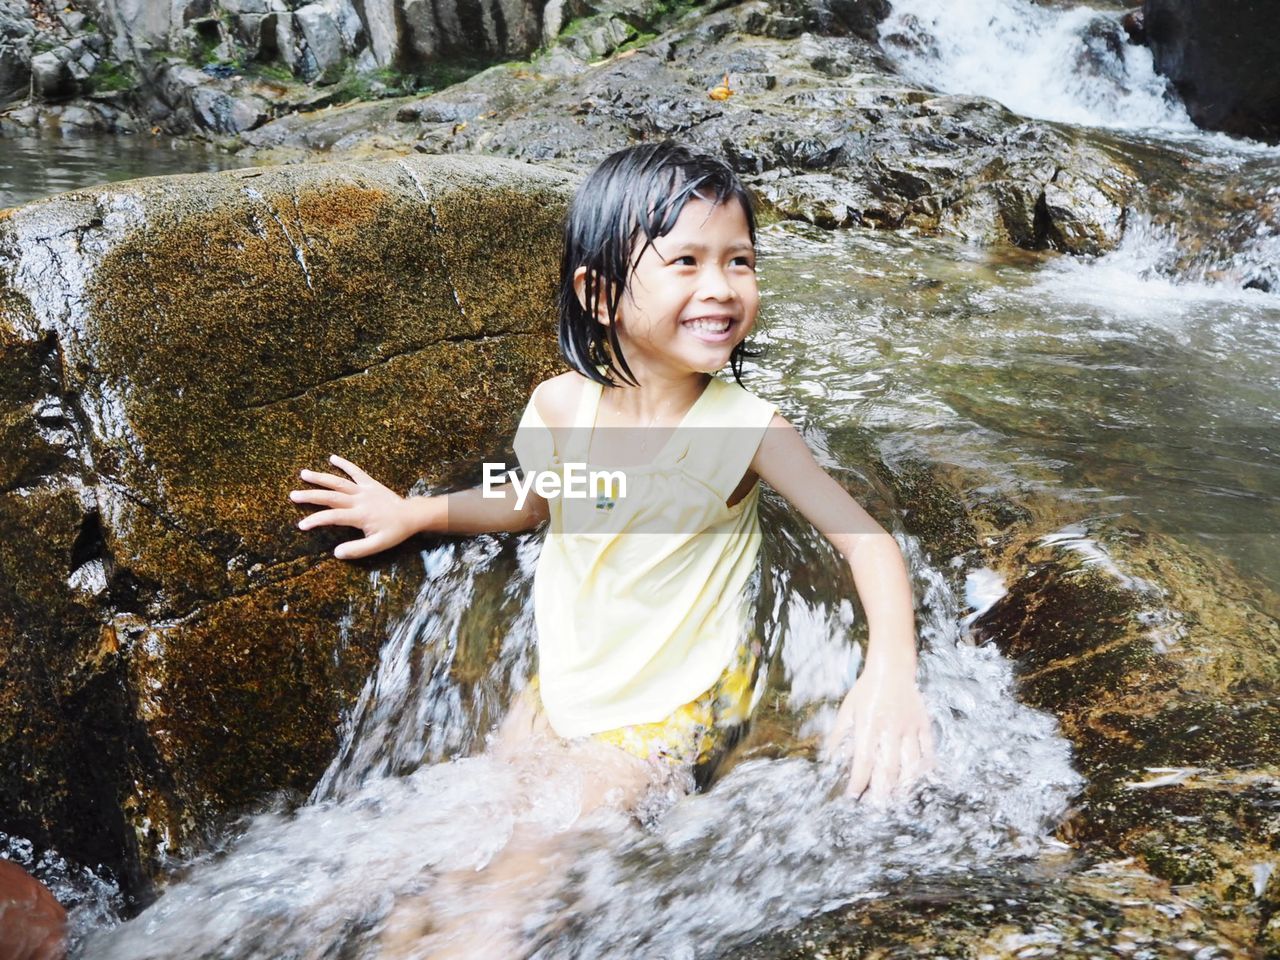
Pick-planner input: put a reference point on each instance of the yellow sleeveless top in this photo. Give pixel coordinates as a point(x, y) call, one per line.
point(639, 600)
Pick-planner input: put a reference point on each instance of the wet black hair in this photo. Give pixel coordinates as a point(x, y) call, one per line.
point(639, 191)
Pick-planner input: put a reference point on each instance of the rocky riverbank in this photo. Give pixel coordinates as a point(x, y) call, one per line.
point(800, 95)
point(174, 652)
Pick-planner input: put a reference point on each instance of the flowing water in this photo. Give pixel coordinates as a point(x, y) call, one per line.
point(1135, 403)
point(1137, 390)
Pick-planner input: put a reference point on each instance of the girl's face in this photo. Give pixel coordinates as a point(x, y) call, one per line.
point(692, 296)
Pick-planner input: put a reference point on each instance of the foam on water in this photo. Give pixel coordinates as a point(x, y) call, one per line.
point(1140, 281)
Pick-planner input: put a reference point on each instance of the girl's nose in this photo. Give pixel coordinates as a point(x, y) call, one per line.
point(715, 285)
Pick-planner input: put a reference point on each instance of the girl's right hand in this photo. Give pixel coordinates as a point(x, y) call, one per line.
point(381, 514)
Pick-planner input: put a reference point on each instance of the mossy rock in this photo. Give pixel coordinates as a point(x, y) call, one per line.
point(172, 351)
point(1163, 675)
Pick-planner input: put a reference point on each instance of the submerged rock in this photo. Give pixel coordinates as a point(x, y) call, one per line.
point(172, 351)
point(1164, 672)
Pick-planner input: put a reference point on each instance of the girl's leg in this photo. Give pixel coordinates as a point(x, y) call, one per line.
point(479, 913)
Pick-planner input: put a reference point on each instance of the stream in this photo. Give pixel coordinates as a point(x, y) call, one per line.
point(1139, 390)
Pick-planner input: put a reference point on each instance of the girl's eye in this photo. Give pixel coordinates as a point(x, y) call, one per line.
point(745, 261)
point(687, 260)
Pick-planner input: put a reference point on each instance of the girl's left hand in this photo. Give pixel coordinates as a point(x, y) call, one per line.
point(892, 742)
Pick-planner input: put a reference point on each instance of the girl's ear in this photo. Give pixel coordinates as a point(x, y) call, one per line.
point(580, 288)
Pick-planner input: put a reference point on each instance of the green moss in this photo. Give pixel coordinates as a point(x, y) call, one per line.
point(440, 74)
point(391, 82)
point(112, 76)
point(639, 40)
point(270, 71)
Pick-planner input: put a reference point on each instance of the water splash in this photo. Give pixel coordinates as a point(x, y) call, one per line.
point(1153, 276)
point(92, 900)
point(772, 842)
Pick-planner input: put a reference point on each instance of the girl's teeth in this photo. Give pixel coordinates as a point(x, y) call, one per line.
point(710, 326)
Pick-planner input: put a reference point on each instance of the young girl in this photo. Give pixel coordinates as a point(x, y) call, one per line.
point(644, 662)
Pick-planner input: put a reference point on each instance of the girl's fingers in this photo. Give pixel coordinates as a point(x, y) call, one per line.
point(355, 549)
point(323, 498)
point(328, 480)
point(888, 768)
point(358, 475)
point(328, 518)
point(863, 755)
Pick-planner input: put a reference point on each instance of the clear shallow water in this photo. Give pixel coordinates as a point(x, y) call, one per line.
point(1150, 401)
point(35, 167)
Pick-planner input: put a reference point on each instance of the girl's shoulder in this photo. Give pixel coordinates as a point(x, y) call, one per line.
point(556, 399)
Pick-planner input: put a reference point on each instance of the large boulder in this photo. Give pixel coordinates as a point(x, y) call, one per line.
point(478, 28)
point(1221, 56)
point(173, 650)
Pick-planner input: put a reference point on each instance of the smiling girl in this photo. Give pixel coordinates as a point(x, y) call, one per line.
point(646, 667)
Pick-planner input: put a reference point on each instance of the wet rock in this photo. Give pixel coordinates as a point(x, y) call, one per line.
point(1045, 908)
point(1221, 57)
point(859, 18)
point(221, 113)
point(1135, 27)
point(814, 124)
point(1083, 206)
point(1168, 695)
point(173, 650)
point(33, 925)
point(50, 78)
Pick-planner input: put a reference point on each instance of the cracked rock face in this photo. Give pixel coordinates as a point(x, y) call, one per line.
point(172, 351)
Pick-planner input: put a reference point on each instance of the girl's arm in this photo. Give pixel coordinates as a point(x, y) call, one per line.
point(893, 740)
point(386, 518)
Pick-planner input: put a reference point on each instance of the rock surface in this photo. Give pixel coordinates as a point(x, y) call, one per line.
point(1221, 55)
point(172, 649)
point(1162, 665)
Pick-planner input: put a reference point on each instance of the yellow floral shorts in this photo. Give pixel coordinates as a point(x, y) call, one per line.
point(699, 733)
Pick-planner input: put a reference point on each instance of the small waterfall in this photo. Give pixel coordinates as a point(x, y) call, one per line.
point(412, 710)
point(770, 843)
point(1220, 220)
point(1070, 65)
